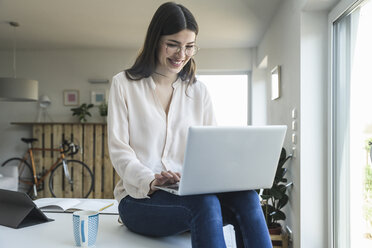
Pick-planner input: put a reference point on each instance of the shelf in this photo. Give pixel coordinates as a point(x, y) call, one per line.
point(58, 123)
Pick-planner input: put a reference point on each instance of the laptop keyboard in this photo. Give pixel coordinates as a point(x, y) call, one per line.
point(173, 186)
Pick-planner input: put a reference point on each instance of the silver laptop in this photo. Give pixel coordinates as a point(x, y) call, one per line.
point(225, 159)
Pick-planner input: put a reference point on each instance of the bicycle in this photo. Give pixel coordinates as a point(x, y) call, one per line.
point(69, 169)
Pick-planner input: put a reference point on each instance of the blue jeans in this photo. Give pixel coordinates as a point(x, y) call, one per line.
point(166, 214)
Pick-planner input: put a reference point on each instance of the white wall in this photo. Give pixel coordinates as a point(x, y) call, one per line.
point(314, 195)
point(297, 41)
point(57, 70)
point(224, 60)
point(259, 92)
point(281, 45)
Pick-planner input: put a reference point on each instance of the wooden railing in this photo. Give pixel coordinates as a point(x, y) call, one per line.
point(92, 138)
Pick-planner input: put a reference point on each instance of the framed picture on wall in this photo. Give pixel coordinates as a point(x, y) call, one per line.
point(70, 97)
point(98, 97)
point(275, 83)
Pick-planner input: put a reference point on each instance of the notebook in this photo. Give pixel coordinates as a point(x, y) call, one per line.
point(226, 159)
point(70, 205)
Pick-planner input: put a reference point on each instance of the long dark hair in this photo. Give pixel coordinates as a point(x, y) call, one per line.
point(170, 18)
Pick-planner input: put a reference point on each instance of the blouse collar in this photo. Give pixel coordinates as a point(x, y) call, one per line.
point(153, 84)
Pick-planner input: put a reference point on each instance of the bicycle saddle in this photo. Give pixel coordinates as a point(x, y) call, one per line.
point(30, 140)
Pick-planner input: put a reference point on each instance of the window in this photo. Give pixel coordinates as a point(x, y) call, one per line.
point(229, 95)
point(352, 132)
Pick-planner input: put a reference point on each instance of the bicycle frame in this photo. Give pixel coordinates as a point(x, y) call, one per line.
point(29, 154)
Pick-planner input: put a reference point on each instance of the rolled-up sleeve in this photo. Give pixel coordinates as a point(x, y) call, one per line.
point(136, 177)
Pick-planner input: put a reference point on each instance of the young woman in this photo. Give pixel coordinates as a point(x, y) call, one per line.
point(151, 106)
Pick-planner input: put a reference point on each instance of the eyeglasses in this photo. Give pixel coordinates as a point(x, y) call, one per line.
point(190, 50)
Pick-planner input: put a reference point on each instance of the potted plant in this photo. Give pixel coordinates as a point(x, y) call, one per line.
point(82, 111)
point(103, 107)
point(275, 198)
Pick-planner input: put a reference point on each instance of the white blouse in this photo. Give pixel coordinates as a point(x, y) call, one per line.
point(142, 139)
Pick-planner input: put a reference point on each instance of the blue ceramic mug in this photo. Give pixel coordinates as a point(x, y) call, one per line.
point(85, 227)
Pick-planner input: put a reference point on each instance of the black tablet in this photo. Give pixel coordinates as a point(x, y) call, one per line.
point(17, 210)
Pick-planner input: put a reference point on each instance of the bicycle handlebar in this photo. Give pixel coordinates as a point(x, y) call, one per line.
point(69, 146)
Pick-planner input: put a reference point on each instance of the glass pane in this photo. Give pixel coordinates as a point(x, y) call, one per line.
point(360, 128)
point(352, 129)
point(229, 95)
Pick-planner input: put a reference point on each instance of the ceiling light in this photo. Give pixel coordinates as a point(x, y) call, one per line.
point(17, 89)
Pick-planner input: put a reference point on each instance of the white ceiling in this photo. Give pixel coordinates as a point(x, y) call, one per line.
point(55, 24)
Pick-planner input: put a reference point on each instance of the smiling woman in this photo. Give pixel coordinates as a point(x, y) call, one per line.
point(152, 105)
point(174, 52)
point(171, 26)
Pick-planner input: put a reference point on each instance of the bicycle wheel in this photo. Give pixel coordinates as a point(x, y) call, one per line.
point(25, 178)
point(82, 180)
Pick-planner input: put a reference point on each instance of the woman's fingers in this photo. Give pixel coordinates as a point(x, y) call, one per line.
point(160, 180)
point(175, 176)
point(158, 176)
point(167, 177)
point(167, 174)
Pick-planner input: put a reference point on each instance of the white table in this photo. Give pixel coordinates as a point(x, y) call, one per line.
point(58, 234)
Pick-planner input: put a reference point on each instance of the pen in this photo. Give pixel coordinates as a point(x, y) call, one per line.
point(106, 207)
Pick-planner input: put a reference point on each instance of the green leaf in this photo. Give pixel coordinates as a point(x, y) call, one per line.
point(282, 202)
point(265, 197)
point(82, 111)
point(276, 193)
point(266, 192)
point(268, 209)
point(275, 198)
point(282, 188)
point(278, 215)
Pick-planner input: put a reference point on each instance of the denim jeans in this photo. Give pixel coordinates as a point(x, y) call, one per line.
point(165, 214)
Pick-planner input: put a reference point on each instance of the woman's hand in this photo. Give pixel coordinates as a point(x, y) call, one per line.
point(164, 178)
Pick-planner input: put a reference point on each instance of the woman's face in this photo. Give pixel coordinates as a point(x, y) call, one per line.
point(175, 51)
